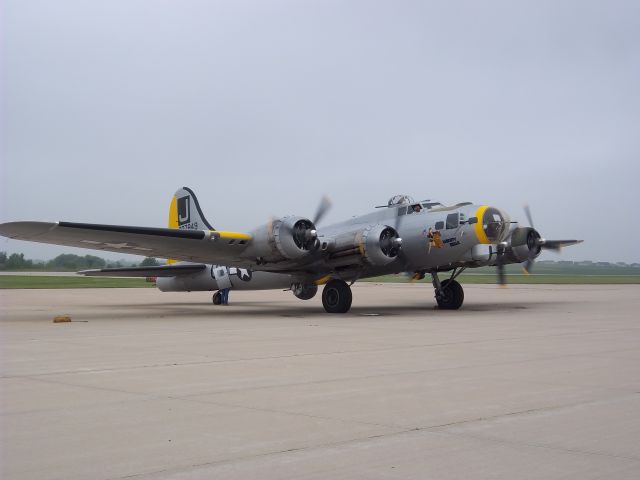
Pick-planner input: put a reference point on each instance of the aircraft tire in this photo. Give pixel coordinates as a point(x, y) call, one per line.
point(217, 298)
point(304, 292)
point(452, 296)
point(336, 297)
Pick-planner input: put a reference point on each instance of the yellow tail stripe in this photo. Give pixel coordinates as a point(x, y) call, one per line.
point(173, 213)
point(173, 221)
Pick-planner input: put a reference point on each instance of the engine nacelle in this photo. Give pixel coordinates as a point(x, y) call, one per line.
point(375, 245)
point(287, 238)
point(523, 245)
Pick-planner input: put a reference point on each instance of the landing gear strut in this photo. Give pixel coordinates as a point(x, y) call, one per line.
point(449, 293)
point(336, 297)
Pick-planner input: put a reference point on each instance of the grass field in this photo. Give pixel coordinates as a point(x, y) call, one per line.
point(35, 281)
point(543, 274)
point(550, 279)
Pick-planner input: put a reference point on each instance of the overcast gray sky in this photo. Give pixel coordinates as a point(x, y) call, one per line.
point(263, 106)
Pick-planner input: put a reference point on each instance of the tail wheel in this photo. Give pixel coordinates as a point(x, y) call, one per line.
point(451, 296)
point(336, 297)
point(217, 298)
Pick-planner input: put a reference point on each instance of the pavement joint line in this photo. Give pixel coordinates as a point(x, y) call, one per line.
point(287, 412)
point(314, 382)
point(337, 352)
point(529, 411)
point(539, 445)
point(594, 401)
point(148, 396)
point(190, 398)
point(431, 430)
point(602, 401)
point(350, 379)
point(380, 375)
point(258, 455)
point(78, 342)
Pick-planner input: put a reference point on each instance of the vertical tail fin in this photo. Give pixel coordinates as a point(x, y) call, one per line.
point(185, 212)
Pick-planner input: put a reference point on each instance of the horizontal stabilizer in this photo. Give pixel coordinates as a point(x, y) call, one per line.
point(159, 271)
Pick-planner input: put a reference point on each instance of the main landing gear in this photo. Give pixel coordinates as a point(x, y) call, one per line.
point(449, 293)
point(336, 296)
point(217, 298)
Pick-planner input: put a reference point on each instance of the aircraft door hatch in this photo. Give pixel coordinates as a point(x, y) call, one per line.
point(221, 274)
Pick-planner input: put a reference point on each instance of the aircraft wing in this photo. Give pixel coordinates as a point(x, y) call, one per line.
point(206, 246)
point(156, 271)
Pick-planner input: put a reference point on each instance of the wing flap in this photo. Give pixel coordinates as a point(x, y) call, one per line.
point(186, 245)
point(158, 271)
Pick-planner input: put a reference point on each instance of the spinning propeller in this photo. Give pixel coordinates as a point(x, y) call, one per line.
point(525, 244)
point(304, 231)
point(323, 207)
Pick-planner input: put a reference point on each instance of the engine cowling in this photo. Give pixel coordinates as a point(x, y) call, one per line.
point(286, 238)
point(294, 237)
point(523, 244)
point(375, 245)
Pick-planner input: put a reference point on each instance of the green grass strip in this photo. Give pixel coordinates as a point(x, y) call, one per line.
point(523, 279)
point(33, 281)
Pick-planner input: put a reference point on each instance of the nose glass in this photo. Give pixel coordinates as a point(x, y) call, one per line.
point(494, 224)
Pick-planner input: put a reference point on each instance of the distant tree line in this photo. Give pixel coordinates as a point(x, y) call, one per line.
point(64, 262)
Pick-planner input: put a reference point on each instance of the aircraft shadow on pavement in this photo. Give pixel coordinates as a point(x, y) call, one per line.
point(251, 310)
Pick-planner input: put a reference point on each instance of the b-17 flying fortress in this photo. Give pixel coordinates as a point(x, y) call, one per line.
point(293, 252)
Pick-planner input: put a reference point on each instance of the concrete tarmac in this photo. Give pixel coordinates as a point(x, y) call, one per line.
point(529, 382)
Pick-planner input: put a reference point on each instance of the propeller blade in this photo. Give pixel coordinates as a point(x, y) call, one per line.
point(527, 212)
point(500, 270)
point(535, 244)
point(323, 207)
point(528, 266)
point(557, 244)
point(270, 225)
point(415, 276)
point(502, 277)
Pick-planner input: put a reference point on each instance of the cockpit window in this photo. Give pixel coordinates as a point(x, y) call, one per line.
point(453, 220)
point(431, 205)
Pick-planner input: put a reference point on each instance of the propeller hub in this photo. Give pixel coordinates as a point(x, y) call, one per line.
point(304, 234)
point(534, 242)
point(390, 242)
